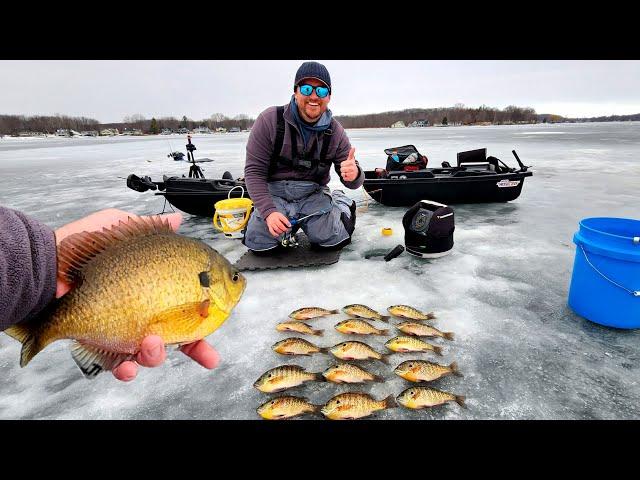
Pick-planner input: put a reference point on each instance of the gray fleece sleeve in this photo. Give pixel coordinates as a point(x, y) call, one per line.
point(28, 266)
point(344, 145)
point(256, 169)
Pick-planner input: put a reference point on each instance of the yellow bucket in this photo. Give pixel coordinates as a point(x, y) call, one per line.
point(232, 214)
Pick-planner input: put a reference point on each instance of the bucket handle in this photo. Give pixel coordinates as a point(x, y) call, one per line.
point(237, 186)
point(635, 293)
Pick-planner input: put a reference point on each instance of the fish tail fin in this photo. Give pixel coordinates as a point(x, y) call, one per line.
point(334, 311)
point(318, 377)
point(383, 331)
point(317, 411)
point(390, 402)
point(454, 369)
point(26, 334)
point(324, 350)
point(317, 332)
point(378, 379)
point(448, 335)
point(460, 400)
point(384, 358)
point(385, 318)
point(431, 316)
point(437, 349)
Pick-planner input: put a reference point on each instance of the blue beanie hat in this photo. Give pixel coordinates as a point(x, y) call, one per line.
point(312, 70)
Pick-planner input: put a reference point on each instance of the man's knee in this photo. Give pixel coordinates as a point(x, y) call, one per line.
point(348, 223)
point(257, 237)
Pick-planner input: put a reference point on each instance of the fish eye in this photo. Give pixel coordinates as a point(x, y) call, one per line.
point(337, 402)
point(236, 277)
point(269, 376)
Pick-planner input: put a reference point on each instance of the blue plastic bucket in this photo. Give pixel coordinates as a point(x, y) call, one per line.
point(605, 284)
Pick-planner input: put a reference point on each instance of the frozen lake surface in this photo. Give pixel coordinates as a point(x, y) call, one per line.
point(502, 290)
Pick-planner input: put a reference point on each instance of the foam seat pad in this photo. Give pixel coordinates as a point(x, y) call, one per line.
point(300, 256)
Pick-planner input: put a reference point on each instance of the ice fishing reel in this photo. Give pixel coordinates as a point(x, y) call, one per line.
point(289, 240)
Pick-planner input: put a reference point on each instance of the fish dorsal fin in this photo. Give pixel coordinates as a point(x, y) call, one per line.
point(93, 360)
point(75, 251)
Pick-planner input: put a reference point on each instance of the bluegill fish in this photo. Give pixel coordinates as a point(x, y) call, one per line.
point(422, 330)
point(296, 346)
point(362, 311)
point(298, 327)
point(135, 279)
point(357, 351)
point(349, 406)
point(355, 326)
point(423, 397)
point(406, 311)
point(307, 313)
point(411, 344)
point(422, 371)
point(284, 377)
point(347, 373)
point(284, 407)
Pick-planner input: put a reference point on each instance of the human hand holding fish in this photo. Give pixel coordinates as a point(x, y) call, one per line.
point(152, 349)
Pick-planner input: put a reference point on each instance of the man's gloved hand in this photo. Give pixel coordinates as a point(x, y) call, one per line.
point(277, 223)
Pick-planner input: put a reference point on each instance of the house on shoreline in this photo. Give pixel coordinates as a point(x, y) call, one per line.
point(109, 132)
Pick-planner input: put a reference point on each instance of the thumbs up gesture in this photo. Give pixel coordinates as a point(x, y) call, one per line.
point(348, 167)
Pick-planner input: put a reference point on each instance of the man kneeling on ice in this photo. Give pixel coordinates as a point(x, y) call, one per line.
point(289, 156)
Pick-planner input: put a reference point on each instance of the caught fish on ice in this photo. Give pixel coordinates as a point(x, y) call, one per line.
point(308, 313)
point(347, 373)
point(411, 344)
point(135, 279)
point(362, 311)
point(286, 376)
point(296, 346)
point(354, 326)
point(422, 330)
point(298, 327)
point(349, 406)
point(423, 397)
point(281, 408)
point(422, 371)
point(357, 351)
point(410, 313)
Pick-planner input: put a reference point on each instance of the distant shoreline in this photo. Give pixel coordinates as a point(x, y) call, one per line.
point(180, 135)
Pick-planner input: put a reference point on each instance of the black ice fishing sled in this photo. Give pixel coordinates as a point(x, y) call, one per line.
point(194, 194)
point(476, 179)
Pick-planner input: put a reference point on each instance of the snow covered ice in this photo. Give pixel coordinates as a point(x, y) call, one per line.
point(503, 289)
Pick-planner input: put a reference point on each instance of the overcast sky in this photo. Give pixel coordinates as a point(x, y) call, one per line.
point(111, 90)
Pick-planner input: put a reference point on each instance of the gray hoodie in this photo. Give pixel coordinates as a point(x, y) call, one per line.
point(28, 266)
point(260, 148)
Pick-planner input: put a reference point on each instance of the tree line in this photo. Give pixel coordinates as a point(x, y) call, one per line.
point(610, 118)
point(156, 125)
point(458, 115)
point(14, 124)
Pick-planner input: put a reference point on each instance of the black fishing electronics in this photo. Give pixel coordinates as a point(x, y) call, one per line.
point(428, 229)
